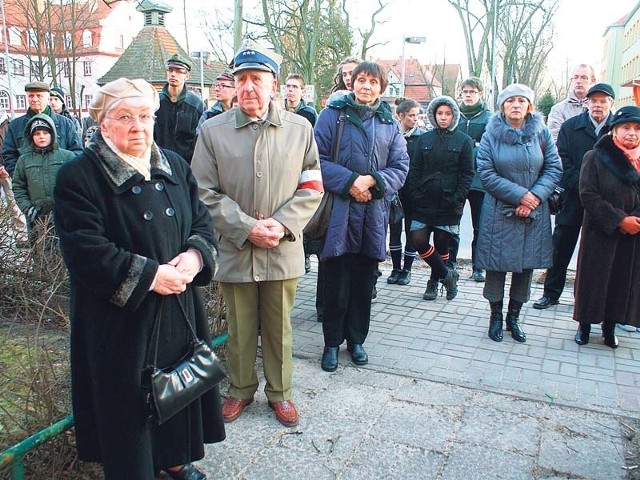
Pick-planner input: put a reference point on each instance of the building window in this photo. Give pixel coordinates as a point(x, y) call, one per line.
point(18, 67)
point(4, 100)
point(121, 41)
point(3, 67)
point(50, 39)
point(21, 102)
point(66, 69)
point(15, 36)
point(32, 38)
point(87, 100)
point(68, 40)
point(87, 68)
point(67, 100)
point(86, 38)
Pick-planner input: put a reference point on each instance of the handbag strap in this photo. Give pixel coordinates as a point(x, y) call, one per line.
point(336, 145)
point(156, 328)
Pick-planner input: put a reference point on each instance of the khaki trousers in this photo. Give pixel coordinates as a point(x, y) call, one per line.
point(268, 305)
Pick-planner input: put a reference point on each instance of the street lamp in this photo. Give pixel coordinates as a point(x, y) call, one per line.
point(405, 40)
point(200, 54)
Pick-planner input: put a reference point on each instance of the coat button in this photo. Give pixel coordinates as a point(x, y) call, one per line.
point(256, 278)
point(136, 190)
point(159, 186)
point(170, 212)
point(147, 215)
point(259, 174)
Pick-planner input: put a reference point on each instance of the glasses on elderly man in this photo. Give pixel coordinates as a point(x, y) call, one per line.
point(126, 119)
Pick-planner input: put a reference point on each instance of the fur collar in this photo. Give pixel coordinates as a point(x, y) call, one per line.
point(433, 106)
point(616, 161)
point(499, 129)
point(119, 172)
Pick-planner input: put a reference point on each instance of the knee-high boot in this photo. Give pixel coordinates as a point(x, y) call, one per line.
point(495, 321)
point(513, 314)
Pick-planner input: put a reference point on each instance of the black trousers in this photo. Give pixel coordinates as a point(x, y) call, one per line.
point(475, 198)
point(348, 283)
point(565, 238)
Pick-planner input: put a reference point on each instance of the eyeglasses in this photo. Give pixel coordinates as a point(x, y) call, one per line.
point(470, 92)
point(222, 85)
point(127, 119)
point(584, 78)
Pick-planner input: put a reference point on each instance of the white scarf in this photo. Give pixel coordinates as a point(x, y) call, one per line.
point(141, 164)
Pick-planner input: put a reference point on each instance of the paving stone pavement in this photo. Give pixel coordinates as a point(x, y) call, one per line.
point(440, 400)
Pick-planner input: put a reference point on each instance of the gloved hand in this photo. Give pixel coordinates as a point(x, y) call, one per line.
point(630, 225)
point(32, 214)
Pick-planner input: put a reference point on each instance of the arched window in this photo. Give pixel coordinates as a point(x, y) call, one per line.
point(4, 100)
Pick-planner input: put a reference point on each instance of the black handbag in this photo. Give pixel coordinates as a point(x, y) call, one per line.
point(171, 389)
point(396, 211)
point(316, 228)
point(556, 201)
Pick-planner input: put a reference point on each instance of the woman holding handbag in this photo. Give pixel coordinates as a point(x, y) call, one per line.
point(132, 232)
point(371, 163)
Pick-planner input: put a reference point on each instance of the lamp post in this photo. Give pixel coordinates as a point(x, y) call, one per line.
point(200, 54)
point(405, 40)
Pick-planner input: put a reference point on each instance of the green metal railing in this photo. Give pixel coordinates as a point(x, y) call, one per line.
point(14, 456)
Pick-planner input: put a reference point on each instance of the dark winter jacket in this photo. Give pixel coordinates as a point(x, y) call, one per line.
point(35, 174)
point(511, 162)
point(115, 230)
point(214, 110)
point(305, 110)
point(475, 126)
point(412, 142)
point(608, 275)
point(66, 135)
point(577, 136)
point(176, 123)
point(441, 171)
point(370, 145)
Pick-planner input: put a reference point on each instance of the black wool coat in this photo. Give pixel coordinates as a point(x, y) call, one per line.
point(608, 274)
point(576, 137)
point(115, 230)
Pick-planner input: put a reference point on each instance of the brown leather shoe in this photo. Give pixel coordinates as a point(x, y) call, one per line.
point(286, 412)
point(233, 408)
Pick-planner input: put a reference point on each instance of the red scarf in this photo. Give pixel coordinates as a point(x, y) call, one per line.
point(633, 154)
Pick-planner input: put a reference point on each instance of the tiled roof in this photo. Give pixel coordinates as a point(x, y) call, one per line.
point(147, 55)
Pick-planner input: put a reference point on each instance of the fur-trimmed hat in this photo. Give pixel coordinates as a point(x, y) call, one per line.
point(119, 90)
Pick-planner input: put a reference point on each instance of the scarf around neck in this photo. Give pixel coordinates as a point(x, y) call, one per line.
point(632, 154)
point(472, 110)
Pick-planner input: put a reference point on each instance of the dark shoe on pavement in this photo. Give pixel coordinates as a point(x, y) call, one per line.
point(233, 408)
point(431, 293)
point(544, 302)
point(358, 355)
point(477, 276)
point(187, 472)
point(307, 264)
point(374, 294)
point(582, 335)
point(609, 336)
point(286, 412)
point(450, 283)
point(404, 277)
point(330, 359)
point(393, 278)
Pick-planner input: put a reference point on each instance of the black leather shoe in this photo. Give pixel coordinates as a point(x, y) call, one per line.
point(187, 472)
point(358, 355)
point(582, 335)
point(404, 277)
point(544, 302)
point(609, 336)
point(393, 278)
point(330, 359)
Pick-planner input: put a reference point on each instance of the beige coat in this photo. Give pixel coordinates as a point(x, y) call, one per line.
point(245, 170)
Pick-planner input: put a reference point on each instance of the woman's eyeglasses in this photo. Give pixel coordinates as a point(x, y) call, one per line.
point(126, 119)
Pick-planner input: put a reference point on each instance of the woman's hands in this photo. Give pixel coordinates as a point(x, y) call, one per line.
point(528, 203)
point(360, 188)
point(174, 276)
point(630, 225)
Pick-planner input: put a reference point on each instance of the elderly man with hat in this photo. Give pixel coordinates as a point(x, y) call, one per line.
point(38, 99)
point(56, 101)
point(179, 111)
point(225, 89)
point(577, 136)
point(258, 173)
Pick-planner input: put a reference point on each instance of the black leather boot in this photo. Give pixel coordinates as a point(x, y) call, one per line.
point(513, 314)
point(330, 359)
point(495, 321)
point(582, 335)
point(608, 334)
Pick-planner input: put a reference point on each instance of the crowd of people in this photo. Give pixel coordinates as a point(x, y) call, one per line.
point(156, 195)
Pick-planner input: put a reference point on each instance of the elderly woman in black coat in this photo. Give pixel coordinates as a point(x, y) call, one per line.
point(608, 274)
point(136, 240)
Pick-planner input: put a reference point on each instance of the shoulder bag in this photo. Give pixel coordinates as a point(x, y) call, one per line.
point(317, 227)
point(169, 390)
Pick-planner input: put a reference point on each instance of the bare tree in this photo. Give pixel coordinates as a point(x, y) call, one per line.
point(476, 17)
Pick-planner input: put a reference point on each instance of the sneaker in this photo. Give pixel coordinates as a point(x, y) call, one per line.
point(626, 328)
point(431, 293)
point(404, 277)
point(450, 283)
point(477, 276)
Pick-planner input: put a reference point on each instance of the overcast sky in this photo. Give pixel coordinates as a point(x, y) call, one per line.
point(580, 25)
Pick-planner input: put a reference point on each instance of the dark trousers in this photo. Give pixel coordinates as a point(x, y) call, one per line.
point(348, 283)
point(475, 199)
point(565, 238)
point(320, 290)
